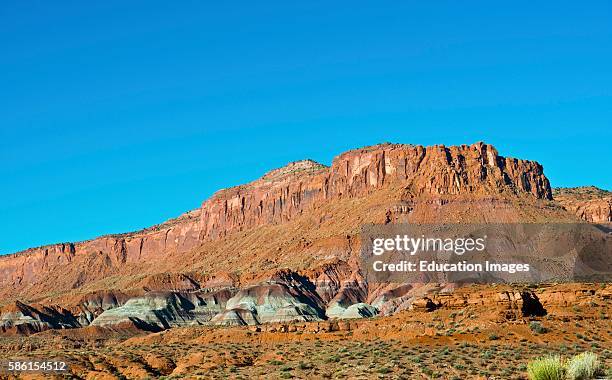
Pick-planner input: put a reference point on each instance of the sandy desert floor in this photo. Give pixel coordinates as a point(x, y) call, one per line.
point(468, 343)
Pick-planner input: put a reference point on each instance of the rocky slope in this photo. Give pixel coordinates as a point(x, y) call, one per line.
point(467, 334)
point(281, 248)
point(588, 203)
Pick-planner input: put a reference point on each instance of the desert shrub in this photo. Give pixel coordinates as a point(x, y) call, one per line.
point(487, 354)
point(332, 359)
point(584, 366)
point(427, 371)
point(304, 366)
point(537, 328)
point(548, 368)
point(384, 370)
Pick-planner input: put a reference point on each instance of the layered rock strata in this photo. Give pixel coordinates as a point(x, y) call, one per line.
point(400, 180)
point(282, 194)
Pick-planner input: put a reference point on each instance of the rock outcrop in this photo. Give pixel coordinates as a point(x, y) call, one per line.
point(589, 203)
point(220, 263)
point(438, 170)
point(22, 318)
point(103, 254)
point(275, 302)
point(281, 195)
point(354, 311)
point(162, 310)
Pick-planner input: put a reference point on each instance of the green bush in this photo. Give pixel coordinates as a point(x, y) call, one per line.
point(304, 366)
point(486, 354)
point(584, 366)
point(332, 359)
point(549, 368)
point(537, 327)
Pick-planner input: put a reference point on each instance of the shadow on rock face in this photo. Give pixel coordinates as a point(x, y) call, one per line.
point(532, 306)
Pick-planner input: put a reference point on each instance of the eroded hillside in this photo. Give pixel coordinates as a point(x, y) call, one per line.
point(282, 248)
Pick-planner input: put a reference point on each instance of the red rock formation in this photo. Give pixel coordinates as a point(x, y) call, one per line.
point(588, 203)
point(177, 235)
point(278, 197)
point(436, 170)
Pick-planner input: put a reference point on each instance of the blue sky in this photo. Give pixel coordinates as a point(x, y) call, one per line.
point(117, 115)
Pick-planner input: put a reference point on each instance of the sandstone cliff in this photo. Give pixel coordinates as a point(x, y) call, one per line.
point(281, 195)
point(304, 216)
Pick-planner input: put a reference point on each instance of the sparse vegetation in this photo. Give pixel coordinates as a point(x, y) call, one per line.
point(584, 366)
point(537, 327)
point(400, 346)
point(548, 368)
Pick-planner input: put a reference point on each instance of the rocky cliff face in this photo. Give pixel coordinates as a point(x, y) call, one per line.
point(302, 216)
point(435, 171)
point(105, 254)
point(589, 203)
point(283, 194)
